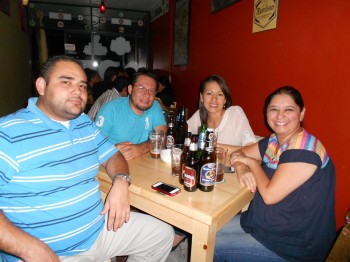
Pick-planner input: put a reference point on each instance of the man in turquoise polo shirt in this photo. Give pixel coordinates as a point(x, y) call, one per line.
point(127, 121)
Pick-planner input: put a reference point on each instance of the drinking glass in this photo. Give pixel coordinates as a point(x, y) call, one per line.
point(156, 139)
point(220, 164)
point(176, 152)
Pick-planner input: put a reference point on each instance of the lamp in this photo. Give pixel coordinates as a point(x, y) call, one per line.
point(102, 7)
point(25, 2)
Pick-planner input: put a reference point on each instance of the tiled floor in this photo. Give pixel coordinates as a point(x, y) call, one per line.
point(180, 253)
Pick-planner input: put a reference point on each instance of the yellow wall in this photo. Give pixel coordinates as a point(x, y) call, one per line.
point(15, 78)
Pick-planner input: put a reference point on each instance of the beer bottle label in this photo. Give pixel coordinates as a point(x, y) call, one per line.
point(207, 174)
point(201, 141)
point(187, 141)
point(189, 177)
point(169, 141)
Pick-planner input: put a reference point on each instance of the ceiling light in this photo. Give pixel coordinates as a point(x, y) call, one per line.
point(102, 7)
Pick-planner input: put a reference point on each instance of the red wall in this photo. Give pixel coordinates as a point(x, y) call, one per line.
point(309, 49)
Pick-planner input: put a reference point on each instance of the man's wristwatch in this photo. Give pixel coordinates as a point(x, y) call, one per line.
point(124, 176)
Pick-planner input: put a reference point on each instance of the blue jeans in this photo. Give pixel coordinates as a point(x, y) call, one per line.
point(234, 244)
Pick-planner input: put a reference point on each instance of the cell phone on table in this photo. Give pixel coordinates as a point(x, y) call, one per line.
point(165, 188)
point(229, 169)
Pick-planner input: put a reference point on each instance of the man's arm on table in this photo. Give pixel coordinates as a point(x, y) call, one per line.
point(20, 244)
point(130, 150)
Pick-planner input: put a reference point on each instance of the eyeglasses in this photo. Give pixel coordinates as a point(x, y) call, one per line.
point(144, 90)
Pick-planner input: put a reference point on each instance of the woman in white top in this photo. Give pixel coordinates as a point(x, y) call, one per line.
point(230, 124)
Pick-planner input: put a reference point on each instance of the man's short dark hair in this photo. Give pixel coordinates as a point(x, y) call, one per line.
point(121, 83)
point(47, 67)
point(149, 74)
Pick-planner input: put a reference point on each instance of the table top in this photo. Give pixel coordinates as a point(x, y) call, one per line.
point(205, 207)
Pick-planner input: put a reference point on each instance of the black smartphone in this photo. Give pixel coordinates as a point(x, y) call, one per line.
point(166, 188)
point(229, 169)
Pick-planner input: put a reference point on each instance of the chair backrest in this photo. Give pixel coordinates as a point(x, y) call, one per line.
point(341, 248)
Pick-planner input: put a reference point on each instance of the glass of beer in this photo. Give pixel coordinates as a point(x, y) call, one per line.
point(220, 164)
point(156, 139)
point(176, 152)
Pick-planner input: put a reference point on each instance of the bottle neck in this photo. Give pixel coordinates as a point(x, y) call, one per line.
point(209, 143)
point(171, 122)
point(209, 146)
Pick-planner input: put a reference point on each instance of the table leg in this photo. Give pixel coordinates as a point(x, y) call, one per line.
point(203, 242)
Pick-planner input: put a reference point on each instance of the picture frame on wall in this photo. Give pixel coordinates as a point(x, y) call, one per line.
point(182, 32)
point(217, 5)
point(5, 6)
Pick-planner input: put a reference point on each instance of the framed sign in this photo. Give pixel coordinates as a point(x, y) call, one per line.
point(5, 6)
point(265, 15)
point(182, 32)
point(217, 5)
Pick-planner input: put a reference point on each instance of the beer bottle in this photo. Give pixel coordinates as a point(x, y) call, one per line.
point(184, 156)
point(201, 140)
point(181, 127)
point(207, 169)
point(170, 136)
point(190, 174)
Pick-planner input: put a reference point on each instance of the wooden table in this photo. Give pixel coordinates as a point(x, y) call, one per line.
point(200, 213)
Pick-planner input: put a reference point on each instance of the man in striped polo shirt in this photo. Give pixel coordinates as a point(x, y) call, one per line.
point(51, 206)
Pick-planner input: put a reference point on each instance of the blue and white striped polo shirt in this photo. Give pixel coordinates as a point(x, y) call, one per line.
point(47, 178)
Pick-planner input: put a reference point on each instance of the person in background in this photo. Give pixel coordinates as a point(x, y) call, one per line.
point(142, 69)
point(165, 93)
point(291, 217)
point(230, 124)
point(120, 89)
point(127, 121)
point(110, 76)
point(130, 72)
point(92, 78)
point(51, 205)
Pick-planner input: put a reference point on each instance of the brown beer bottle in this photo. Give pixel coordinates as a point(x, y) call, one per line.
point(181, 127)
point(170, 136)
point(184, 156)
point(207, 171)
point(190, 174)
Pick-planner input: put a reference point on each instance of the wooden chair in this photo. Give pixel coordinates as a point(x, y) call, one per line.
point(341, 249)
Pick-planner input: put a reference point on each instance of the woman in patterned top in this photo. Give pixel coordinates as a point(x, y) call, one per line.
point(291, 217)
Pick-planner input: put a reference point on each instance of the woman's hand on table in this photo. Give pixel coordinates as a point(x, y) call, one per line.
point(247, 179)
point(245, 176)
